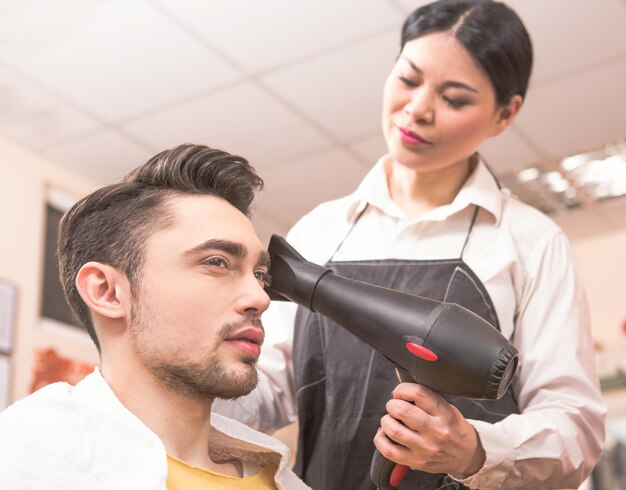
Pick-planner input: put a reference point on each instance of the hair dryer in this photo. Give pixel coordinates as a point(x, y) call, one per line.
point(442, 346)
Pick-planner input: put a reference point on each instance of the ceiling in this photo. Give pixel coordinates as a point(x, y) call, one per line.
point(100, 86)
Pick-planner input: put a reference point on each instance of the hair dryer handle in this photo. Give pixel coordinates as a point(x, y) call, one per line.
point(386, 474)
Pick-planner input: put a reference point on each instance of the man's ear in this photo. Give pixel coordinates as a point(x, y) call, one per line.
point(506, 115)
point(104, 289)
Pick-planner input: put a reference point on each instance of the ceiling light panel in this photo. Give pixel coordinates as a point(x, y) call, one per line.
point(576, 181)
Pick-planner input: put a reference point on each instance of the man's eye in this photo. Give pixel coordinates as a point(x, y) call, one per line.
point(217, 262)
point(264, 278)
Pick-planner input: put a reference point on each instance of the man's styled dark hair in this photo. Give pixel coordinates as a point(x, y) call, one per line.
point(112, 224)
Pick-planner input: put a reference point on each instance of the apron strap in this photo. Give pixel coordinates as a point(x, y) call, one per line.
point(358, 217)
point(470, 230)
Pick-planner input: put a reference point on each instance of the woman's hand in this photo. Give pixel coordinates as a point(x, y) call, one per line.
point(435, 436)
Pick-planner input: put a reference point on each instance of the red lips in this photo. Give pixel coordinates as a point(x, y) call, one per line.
point(411, 137)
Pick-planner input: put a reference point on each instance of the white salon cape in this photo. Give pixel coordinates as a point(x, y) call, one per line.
point(83, 438)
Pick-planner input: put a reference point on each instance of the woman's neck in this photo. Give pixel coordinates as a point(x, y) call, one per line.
point(417, 192)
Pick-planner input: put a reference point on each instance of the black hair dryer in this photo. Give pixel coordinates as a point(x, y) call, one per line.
point(442, 346)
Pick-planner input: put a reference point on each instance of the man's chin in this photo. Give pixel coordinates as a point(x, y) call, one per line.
point(240, 383)
point(211, 380)
point(237, 389)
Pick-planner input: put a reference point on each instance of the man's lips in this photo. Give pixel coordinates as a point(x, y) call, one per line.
point(411, 137)
point(249, 340)
point(251, 334)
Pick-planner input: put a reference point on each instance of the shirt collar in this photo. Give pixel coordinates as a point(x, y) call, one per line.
point(480, 189)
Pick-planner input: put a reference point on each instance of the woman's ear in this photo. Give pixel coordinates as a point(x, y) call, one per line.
point(505, 115)
point(103, 289)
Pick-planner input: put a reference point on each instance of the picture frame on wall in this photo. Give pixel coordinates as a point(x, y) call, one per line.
point(5, 381)
point(54, 307)
point(8, 294)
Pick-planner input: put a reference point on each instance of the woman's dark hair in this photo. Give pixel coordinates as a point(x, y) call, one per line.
point(112, 224)
point(490, 31)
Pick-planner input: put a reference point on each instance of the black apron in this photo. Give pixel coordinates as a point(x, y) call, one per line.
point(343, 384)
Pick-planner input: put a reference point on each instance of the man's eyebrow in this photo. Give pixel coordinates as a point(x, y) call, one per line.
point(449, 83)
point(233, 248)
point(264, 259)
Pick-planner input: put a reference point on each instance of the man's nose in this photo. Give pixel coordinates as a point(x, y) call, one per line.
point(253, 300)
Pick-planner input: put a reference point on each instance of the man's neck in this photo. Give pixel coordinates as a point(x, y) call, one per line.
point(182, 423)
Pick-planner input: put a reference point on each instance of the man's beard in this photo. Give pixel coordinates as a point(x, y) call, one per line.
point(208, 379)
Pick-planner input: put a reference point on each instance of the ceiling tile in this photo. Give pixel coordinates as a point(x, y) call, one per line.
point(263, 34)
point(578, 114)
point(77, 64)
point(19, 101)
point(243, 120)
point(103, 157)
point(567, 34)
point(509, 152)
point(341, 91)
point(51, 127)
point(293, 190)
point(116, 58)
point(34, 117)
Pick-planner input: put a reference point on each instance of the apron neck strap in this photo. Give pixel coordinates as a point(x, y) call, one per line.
point(358, 217)
point(469, 231)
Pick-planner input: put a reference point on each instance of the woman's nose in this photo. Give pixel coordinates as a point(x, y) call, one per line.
point(420, 108)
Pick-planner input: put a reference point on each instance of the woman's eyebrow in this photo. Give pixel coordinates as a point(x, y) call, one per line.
point(413, 65)
point(449, 83)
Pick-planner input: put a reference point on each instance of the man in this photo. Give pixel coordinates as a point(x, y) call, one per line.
point(167, 274)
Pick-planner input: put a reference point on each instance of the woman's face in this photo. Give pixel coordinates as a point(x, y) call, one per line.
point(438, 105)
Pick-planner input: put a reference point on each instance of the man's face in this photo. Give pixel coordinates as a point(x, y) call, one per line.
point(195, 321)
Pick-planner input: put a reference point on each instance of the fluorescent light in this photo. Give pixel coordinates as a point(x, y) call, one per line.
point(577, 179)
point(528, 174)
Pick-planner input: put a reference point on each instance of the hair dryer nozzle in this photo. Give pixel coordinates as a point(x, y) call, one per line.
point(293, 277)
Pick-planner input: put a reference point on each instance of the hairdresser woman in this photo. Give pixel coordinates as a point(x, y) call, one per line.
point(430, 219)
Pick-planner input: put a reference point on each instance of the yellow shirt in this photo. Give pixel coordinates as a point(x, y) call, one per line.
point(181, 476)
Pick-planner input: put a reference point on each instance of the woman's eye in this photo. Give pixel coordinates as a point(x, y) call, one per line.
point(454, 103)
point(264, 278)
point(408, 82)
point(217, 262)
